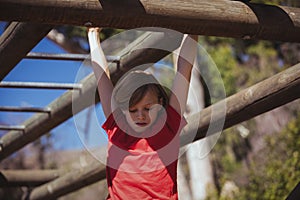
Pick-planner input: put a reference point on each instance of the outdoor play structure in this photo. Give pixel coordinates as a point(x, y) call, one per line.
point(33, 19)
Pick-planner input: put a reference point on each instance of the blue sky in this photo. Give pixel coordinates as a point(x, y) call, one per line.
point(68, 134)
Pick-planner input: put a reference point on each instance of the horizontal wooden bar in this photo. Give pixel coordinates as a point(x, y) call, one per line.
point(29, 178)
point(225, 18)
point(74, 57)
point(40, 85)
point(23, 109)
point(10, 128)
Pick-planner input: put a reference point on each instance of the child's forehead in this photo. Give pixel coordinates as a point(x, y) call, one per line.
point(145, 102)
point(150, 94)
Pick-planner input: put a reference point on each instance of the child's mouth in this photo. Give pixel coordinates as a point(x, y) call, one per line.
point(141, 124)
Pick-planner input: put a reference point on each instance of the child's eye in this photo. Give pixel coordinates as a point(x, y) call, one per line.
point(132, 111)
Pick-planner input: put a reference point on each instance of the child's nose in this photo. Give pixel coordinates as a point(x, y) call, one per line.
point(141, 115)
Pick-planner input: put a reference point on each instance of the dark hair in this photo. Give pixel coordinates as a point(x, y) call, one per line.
point(132, 88)
point(139, 93)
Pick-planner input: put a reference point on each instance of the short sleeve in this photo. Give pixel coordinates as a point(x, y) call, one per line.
point(110, 122)
point(174, 120)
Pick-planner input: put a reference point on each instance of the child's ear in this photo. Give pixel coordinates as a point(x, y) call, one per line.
point(161, 102)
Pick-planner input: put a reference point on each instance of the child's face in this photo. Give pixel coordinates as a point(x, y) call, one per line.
point(143, 114)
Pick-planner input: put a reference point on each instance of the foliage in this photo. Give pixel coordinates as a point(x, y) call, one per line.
point(241, 63)
point(221, 53)
point(278, 2)
point(272, 2)
point(273, 172)
point(276, 177)
point(228, 155)
point(262, 63)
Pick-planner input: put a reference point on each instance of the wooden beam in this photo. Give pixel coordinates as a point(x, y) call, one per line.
point(224, 18)
point(30, 178)
point(16, 41)
point(70, 182)
point(266, 95)
point(61, 108)
point(40, 85)
point(294, 195)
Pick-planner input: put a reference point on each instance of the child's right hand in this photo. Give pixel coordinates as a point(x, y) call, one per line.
point(94, 35)
point(94, 29)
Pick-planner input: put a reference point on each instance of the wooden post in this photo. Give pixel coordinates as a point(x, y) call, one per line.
point(224, 18)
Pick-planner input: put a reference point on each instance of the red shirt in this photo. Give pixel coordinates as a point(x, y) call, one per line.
point(143, 165)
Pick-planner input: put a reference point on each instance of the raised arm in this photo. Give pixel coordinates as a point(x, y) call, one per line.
point(182, 78)
point(101, 70)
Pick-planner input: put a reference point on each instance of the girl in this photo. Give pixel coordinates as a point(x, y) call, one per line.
point(143, 125)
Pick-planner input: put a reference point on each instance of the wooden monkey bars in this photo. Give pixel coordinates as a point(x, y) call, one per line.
point(223, 18)
point(218, 17)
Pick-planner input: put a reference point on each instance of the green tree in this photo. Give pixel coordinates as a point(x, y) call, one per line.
point(276, 173)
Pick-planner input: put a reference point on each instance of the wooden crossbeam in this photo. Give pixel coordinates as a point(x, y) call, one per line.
point(61, 108)
point(30, 178)
point(16, 41)
point(66, 56)
point(264, 96)
point(294, 195)
point(224, 18)
point(70, 182)
point(268, 94)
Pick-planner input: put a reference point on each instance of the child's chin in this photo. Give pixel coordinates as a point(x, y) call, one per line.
point(140, 129)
